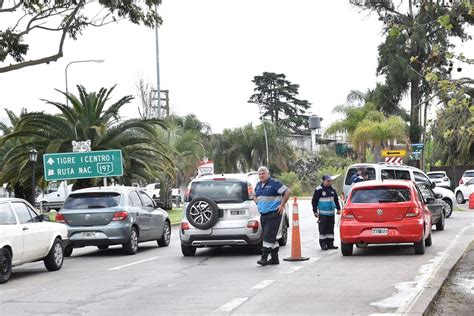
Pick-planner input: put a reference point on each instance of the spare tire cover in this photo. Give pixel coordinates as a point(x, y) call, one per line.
point(202, 213)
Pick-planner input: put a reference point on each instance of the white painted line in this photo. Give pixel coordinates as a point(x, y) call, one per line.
point(231, 305)
point(131, 264)
point(293, 269)
point(263, 284)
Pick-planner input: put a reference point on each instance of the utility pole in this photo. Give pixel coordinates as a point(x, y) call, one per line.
point(158, 109)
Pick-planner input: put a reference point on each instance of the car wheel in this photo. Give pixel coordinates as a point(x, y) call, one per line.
point(68, 251)
point(188, 251)
point(460, 198)
point(284, 234)
point(103, 247)
point(441, 222)
point(449, 208)
point(131, 246)
point(420, 246)
point(428, 241)
point(202, 213)
point(5, 265)
point(55, 258)
point(164, 241)
point(347, 249)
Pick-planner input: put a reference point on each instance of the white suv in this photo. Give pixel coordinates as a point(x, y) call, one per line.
point(384, 171)
point(219, 210)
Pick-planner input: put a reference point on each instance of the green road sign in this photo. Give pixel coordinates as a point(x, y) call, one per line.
point(81, 165)
point(417, 148)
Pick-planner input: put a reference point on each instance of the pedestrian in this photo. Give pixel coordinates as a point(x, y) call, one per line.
point(271, 197)
point(325, 201)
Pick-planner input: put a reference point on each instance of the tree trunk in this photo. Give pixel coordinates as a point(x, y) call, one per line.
point(415, 98)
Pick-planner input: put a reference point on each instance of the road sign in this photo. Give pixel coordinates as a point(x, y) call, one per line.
point(417, 148)
point(394, 160)
point(394, 153)
point(82, 165)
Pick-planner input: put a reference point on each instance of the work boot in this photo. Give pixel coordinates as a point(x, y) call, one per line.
point(274, 257)
point(264, 260)
point(323, 244)
point(331, 245)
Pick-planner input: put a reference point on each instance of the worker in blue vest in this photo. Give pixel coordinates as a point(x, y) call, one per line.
point(271, 197)
point(325, 201)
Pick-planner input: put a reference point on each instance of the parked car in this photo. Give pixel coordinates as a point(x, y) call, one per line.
point(467, 175)
point(380, 212)
point(437, 208)
point(105, 216)
point(463, 191)
point(440, 178)
point(153, 190)
point(384, 171)
point(54, 195)
point(26, 237)
point(219, 211)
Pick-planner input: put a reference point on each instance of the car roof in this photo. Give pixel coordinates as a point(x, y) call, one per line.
point(116, 189)
point(382, 164)
point(12, 200)
point(384, 183)
point(472, 170)
point(230, 176)
point(431, 172)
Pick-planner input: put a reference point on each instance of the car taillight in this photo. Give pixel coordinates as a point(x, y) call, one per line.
point(250, 190)
point(347, 214)
point(187, 194)
point(120, 216)
point(184, 226)
point(60, 218)
point(252, 224)
point(413, 213)
point(461, 182)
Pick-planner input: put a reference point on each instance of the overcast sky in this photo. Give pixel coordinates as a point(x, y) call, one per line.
point(210, 50)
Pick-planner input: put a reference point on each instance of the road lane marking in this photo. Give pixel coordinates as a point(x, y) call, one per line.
point(293, 269)
point(233, 304)
point(263, 284)
point(132, 264)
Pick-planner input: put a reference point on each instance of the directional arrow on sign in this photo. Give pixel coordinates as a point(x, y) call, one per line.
point(50, 161)
point(393, 153)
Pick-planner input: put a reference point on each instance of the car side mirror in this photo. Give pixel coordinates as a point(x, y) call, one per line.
point(438, 196)
point(429, 200)
point(433, 185)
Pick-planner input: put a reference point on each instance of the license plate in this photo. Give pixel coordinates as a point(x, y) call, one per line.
point(379, 231)
point(88, 235)
point(237, 212)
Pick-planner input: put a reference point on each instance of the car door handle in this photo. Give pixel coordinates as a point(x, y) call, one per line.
point(25, 228)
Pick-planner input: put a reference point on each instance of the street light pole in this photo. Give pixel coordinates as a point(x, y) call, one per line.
point(33, 157)
point(158, 91)
point(77, 62)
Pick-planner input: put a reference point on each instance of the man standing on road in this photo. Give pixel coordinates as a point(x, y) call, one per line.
point(271, 197)
point(324, 202)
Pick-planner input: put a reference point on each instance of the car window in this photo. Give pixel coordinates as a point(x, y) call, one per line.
point(92, 200)
point(229, 191)
point(420, 196)
point(22, 212)
point(387, 174)
point(470, 181)
point(147, 201)
point(135, 199)
point(425, 191)
point(468, 174)
point(419, 177)
point(436, 175)
point(380, 195)
point(352, 171)
point(33, 214)
point(6, 215)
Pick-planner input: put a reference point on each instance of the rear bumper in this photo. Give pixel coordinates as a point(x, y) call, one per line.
point(221, 238)
point(112, 234)
point(404, 231)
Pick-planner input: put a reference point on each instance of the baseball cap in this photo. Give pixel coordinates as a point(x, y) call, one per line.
point(327, 177)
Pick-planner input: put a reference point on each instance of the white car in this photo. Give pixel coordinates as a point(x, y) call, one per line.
point(467, 175)
point(463, 191)
point(440, 178)
point(26, 237)
point(153, 190)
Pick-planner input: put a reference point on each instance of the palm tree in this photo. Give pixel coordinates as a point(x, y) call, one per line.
point(88, 117)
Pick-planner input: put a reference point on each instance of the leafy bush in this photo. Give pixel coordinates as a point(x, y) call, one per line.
point(292, 181)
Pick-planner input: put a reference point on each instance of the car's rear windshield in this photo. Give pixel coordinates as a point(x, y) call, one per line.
point(381, 195)
point(436, 175)
point(92, 200)
point(469, 174)
point(352, 171)
point(220, 191)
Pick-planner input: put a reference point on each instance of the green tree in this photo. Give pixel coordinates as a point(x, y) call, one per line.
point(278, 100)
point(61, 19)
point(88, 117)
point(413, 33)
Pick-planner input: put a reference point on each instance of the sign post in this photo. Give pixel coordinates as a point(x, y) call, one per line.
point(83, 165)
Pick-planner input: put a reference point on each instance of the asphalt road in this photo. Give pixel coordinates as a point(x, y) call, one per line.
point(382, 279)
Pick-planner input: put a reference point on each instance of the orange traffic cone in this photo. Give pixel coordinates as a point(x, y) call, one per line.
point(295, 236)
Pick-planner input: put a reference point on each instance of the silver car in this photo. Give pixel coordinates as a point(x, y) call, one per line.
point(105, 216)
point(219, 210)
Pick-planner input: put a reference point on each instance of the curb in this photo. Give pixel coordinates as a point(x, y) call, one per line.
point(424, 302)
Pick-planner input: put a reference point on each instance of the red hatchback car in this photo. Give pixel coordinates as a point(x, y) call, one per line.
point(382, 212)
